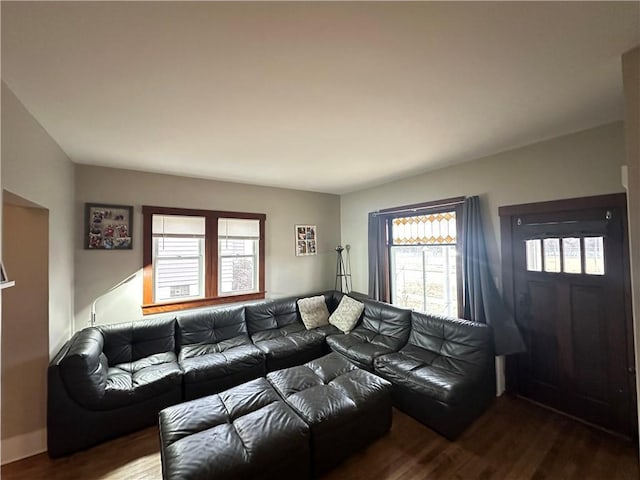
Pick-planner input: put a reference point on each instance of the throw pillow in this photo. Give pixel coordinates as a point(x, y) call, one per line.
point(313, 311)
point(347, 314)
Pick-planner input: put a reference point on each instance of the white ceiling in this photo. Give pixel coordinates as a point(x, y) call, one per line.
point(329, 97)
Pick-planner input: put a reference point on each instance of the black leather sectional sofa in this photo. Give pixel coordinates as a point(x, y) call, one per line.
point(111, 380)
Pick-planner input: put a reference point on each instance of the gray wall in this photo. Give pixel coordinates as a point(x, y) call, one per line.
point(631, 77)
point(582, 164)
point(35, 169)
point(286, 274)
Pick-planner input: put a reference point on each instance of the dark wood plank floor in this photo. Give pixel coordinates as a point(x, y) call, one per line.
point(513, 440)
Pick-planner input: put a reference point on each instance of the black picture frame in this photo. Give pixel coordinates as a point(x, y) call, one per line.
point(108, 227)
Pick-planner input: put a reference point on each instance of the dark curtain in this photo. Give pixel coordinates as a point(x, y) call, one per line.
point(378, 269)
point(482, 301)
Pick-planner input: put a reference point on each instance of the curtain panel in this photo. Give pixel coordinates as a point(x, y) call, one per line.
point(482, 302)
point(378, 259)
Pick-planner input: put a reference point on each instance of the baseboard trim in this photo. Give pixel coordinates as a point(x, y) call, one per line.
point(18, 447)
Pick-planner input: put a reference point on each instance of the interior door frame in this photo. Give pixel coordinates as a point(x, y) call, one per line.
point(506, 213)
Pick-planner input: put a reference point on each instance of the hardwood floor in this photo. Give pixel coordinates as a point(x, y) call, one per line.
point(513, 440)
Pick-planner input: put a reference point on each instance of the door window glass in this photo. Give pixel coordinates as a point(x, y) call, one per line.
point(572, 255)
point(551, 248)
point(594, 255)
point(534, 255)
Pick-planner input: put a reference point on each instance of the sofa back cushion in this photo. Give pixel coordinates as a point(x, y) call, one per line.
point(131, 341)
point(332, 299)
point(272, 314)
point(211, 326)
point(457, 345)
point(387, 320)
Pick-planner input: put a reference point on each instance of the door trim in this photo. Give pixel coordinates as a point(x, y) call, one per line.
point(508, 280)
point(569, 204)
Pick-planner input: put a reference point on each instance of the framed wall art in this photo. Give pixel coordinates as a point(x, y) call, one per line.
point(306, 240)
point(108, 227)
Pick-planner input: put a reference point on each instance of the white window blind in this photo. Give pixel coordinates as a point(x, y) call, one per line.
point(178, 257)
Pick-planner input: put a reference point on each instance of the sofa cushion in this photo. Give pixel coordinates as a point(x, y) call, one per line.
point(140, 380)
point(290, 345)
point(212, 326)
point(452, 344)
point(391, 322)
point(130, 341)
point(313, 311)
point(285, 345)
point(326, 330)
point(407, 369)
point(272, 314)
point(332, 298)
point(188, 351)
point(347, 314)
point(225, 363)
point(272, 333)
point(361, 346)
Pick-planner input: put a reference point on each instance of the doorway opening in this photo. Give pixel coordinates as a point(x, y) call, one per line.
point(25, 327)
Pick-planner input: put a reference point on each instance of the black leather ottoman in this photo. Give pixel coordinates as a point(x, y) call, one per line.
point(346, 407)
point(246, 432)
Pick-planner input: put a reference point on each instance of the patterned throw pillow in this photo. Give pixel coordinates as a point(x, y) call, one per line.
point(347, 314)
point(313, 311)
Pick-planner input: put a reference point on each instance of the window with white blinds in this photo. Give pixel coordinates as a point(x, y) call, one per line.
point(201, 257)
point(178, 257)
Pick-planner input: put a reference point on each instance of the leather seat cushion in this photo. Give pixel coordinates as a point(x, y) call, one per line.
point(194, 350)
point(327, 330)
point(281, 346)
point(361, 345)
point(272, 333)
point(419, 374)
point(216, 365)
point(141, 379)
point(245, 432)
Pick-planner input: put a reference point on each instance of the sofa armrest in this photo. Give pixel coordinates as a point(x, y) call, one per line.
point(83, 367)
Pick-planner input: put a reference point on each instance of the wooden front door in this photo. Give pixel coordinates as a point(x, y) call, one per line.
point(567, 269)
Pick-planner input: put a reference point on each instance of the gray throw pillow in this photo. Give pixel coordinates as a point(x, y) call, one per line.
point(313, 311)
point(347, 314)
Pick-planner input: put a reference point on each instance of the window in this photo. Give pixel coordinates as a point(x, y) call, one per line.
point(573, 255)
point(238, 244)
point(200, 257)
point(178, 257)
point(424, 270)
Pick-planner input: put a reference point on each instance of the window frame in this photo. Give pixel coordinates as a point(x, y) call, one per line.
point(426, 208)
point(211, 260)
